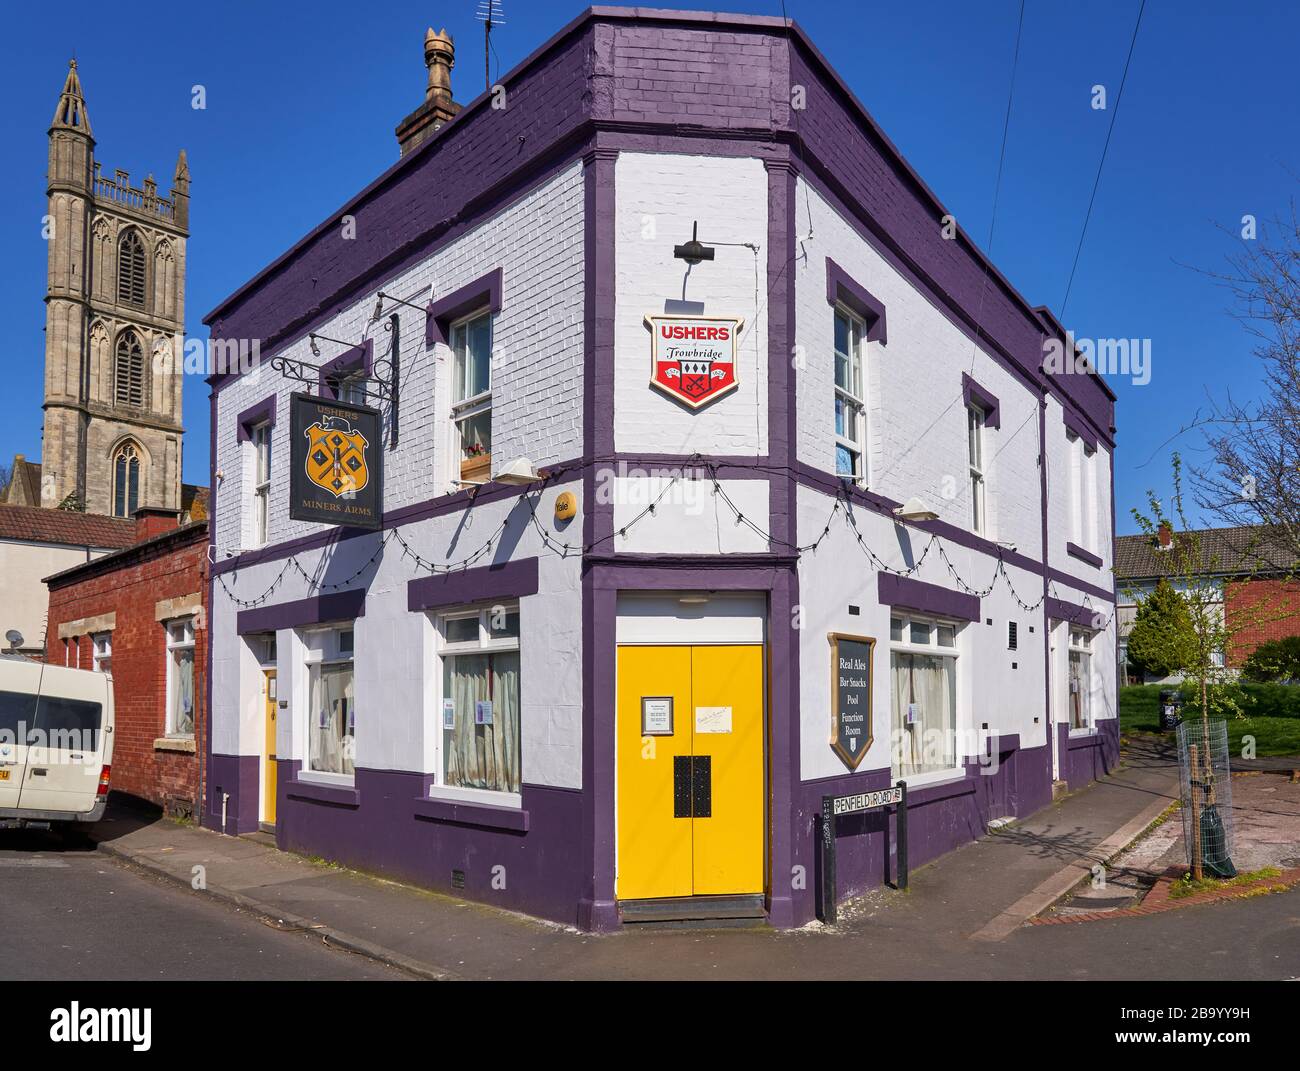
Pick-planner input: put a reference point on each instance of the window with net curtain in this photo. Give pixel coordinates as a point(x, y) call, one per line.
point(923, 695)
point(332, 704)
point(180, 678)
point(480, 692)
point(1080, 679)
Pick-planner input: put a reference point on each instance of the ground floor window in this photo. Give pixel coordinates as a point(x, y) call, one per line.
point(923, 694)
point(1080, 679)
point(479, 650)
point(331, 693)
point(102, 651)
point(180, 678)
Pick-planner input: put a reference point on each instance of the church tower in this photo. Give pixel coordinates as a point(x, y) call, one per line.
point(114, 327)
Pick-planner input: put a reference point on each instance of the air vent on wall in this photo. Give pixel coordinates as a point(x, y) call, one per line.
point(1011, 635)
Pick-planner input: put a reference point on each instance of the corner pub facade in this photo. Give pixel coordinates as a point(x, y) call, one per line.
point(638, 503)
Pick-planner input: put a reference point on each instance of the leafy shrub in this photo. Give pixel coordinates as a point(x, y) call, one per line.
point(1276, 660)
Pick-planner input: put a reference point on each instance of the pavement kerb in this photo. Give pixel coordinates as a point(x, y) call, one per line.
point(1046, 893)
point(288, 922)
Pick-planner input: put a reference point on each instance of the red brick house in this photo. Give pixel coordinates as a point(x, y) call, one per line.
point(140, 613)
point(1257, 573)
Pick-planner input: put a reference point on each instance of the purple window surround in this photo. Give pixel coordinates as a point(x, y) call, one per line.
point(1076, 551)
point(508, 580)
point(261, 413)
point(1076, 425)
point(460, 813)
point(842, 289)
point(358, 359)
point(484, 291)
point(1062, 610)
point(928, 598)
point(319, 609)
point(973, 394)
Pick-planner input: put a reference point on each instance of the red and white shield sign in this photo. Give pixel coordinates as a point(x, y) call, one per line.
point(693, 358)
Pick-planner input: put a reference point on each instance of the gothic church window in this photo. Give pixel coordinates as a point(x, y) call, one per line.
point(128, 373)
point(130, 269)
point(126, 480)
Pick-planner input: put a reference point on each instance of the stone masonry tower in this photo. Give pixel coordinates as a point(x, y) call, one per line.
point(114, 327)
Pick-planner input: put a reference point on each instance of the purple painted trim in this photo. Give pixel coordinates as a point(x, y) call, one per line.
point(1062, 610)
point(336, 795)
point(419, 511)
point(237, 777)
point(828, 483)
point(458, 812)
point(506, 580)
point(359, 358)
point(841, 288)
point(1048, 735)
point(928, 598)
point(1074, 424)
point(205, 770)
point(1081, 585)
point(973, 394)
point(261, 413)
point(317, 610)
point(485, 291)
point(1076, 551)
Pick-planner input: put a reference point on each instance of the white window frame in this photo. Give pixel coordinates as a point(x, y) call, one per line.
point(1082, 493)
point(328, 652)
point(180, 637)
point(906, 645)
point(856, 443)
point(353, 387)
point(101, 652)
point(1080, 641)
point(443, 649)
point(976, 421)
point(260, 438)
point(465, 406)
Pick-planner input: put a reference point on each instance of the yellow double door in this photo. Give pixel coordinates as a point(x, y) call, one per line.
point(690, 771)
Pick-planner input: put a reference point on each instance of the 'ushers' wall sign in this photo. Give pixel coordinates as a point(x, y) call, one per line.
point(693, 358)
point(337, 473)
point(851, 696)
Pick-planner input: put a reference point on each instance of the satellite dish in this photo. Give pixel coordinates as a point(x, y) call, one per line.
point(15, 639)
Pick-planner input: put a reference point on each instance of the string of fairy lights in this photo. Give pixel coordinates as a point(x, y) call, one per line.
point(692, 471)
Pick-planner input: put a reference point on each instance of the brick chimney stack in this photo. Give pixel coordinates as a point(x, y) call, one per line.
point(1165, 535)
point(153, 521)
point(438, 106)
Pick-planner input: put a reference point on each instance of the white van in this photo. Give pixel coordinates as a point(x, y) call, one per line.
point(56, 743)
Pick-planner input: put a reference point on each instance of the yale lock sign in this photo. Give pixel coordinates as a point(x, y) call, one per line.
point(851, 671)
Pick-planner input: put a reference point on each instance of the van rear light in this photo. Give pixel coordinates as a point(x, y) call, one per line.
point(103, 781)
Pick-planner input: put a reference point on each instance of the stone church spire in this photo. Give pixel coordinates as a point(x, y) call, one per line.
point(71, 114)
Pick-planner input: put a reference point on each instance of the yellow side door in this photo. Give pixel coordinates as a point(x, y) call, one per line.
point(727, 693)
point(268, 784)
point(654, 840)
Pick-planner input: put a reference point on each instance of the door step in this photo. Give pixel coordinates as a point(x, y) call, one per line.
point(262, 838)
point(687, 909)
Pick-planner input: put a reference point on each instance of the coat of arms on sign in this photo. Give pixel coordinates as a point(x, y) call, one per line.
point(693, 358)
point(336, 457)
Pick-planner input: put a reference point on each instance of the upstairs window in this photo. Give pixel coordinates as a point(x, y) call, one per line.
point(471, 411)
point(130, 269)
point(850, 407)
point(126, 480)
point(128, 370)
point(102, 652)
point(1083, 493)
point(260, 437)
point(975, 419)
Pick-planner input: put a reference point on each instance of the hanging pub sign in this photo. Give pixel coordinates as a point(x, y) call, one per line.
point(851, 669)
point(693, 358)
point(336, 462)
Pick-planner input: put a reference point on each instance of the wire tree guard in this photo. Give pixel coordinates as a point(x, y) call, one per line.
point(1206, 788)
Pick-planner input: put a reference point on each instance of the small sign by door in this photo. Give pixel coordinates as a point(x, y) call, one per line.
point(851, 670)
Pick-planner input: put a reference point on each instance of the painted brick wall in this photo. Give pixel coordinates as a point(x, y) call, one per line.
point(658, 198)
point(140, 665)
point(1263, 610)
point(537, 360)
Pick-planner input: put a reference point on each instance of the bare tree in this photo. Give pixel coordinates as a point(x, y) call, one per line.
point(1254, 477)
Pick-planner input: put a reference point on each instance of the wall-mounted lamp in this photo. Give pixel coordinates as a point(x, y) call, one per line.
point(693, 251)
point(915, 510)
point(381, 297)
point(315, 349)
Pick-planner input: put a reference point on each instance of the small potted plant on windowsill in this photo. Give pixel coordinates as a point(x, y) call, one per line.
point(476, 466)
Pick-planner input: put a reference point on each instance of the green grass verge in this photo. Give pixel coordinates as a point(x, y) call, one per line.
point(1187, 887)
point(1273, 716)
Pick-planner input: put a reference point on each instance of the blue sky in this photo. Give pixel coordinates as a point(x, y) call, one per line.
point(302, 100)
